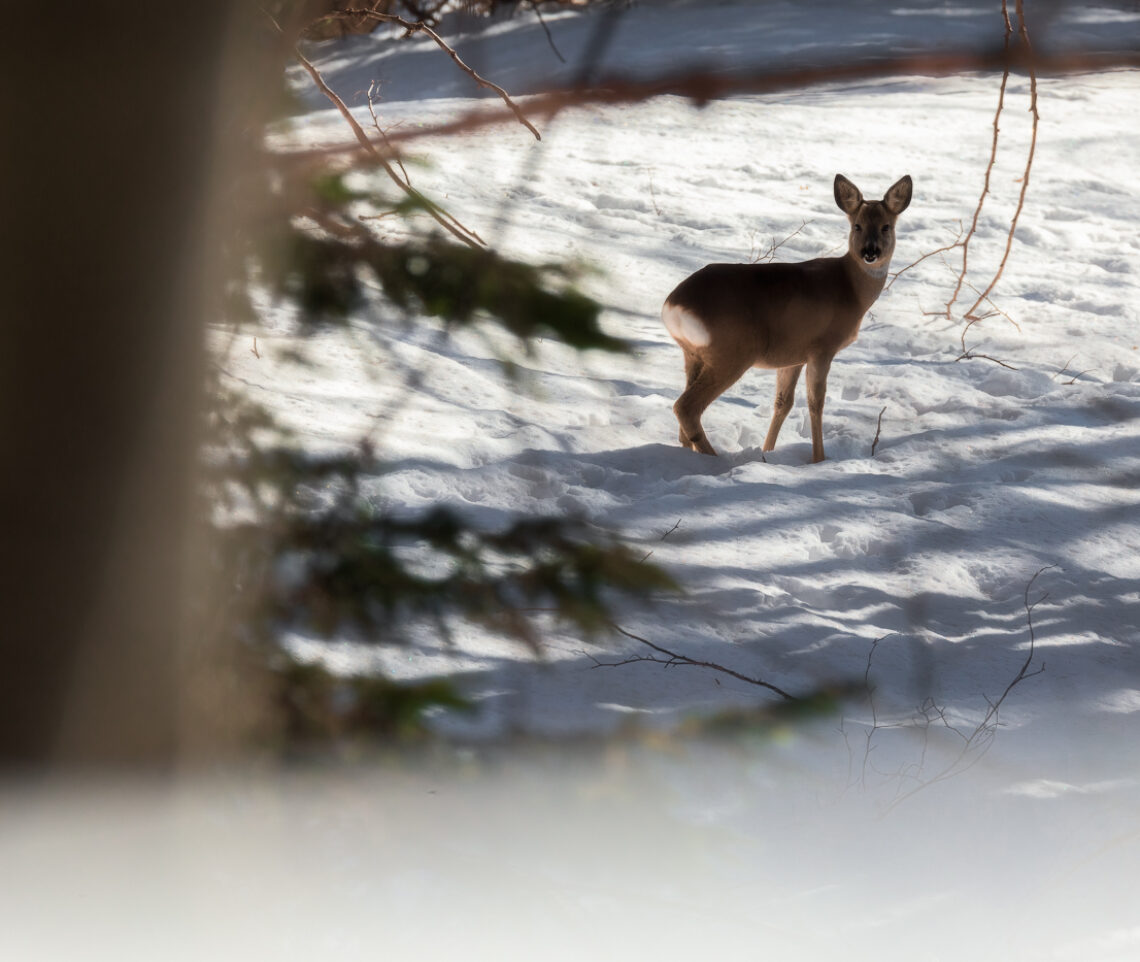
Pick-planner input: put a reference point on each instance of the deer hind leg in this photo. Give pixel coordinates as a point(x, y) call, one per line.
point(693, 367)
point(817, 392)
point(786, 378)
point(706, 382)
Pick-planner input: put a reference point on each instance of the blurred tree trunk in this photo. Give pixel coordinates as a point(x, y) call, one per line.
point(109, 146)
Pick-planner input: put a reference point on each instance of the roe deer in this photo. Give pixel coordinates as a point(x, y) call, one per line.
point(730, 317)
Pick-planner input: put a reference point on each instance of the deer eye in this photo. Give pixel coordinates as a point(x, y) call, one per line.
point(858, 229)
point(886, 228)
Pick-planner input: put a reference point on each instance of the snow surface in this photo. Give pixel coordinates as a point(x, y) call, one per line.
point(981, 476)
point(908, 567)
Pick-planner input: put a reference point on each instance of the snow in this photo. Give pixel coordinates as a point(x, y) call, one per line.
point(907, 567)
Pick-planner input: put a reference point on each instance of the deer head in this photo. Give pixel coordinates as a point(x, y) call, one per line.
point(872, 238)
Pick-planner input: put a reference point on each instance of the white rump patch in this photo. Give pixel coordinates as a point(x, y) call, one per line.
point(684, 326)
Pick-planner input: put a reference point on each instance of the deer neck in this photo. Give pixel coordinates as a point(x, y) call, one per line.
point(867, 281)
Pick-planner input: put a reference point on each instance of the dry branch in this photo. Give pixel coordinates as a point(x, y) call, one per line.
point(768, 255)
point(703, 86)
point(956, 243)
point(1065, 370)
point(673, 660)
point(976, 742)
point(649, 554)
point(989, 167)
point(549, 36)
point(878, 430)
point(1023, 34)
point(1025, 672)
point(971, 355)
point(418, 26)
point(978, 318)
point(384, 134)
point(444, 219)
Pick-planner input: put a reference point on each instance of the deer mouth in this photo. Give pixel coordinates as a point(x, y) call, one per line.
point(870, 256)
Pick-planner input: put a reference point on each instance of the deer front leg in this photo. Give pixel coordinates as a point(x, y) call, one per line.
point(816, 393)
point(786, 378)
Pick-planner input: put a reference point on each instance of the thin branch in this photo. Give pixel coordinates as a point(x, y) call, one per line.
point(441, 216)
point(384, 134)
point(971, 355)
point(989, 166)
point(972, 319)
point(874, 711)
point(418, 26)
point(966, 330)
point(996, 312)
point(549, 36)
point(649, 554)
point(705, 85)
point(978, 742)
point(1065, 367)
point(1025, 673)
point(773, 246)
point(1023, 34)
point(941, 250)
point(1065, 370)
point(672, 660)
point(878, 429)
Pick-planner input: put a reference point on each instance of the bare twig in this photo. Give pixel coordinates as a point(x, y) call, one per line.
point(702, 86)
point(1025, 672)
point(1065, 370)
point(1064, 367)
point(649, 554)
point(1023, 34)
point(444, 219)
point(673, 660)
point(966, 330)
point(976, 743)
point(549, 36)
point(384, 134)
point(990, 166)
point(418, 26)
point(878, 429)
point(254, 350)
point(996, 312)
point(973, 319)
point(957, 242)
point(972, 355)
point(767, 255)
point(874, 711)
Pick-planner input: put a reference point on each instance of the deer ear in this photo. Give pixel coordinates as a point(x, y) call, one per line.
point(897, 198)
point(847, 195)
